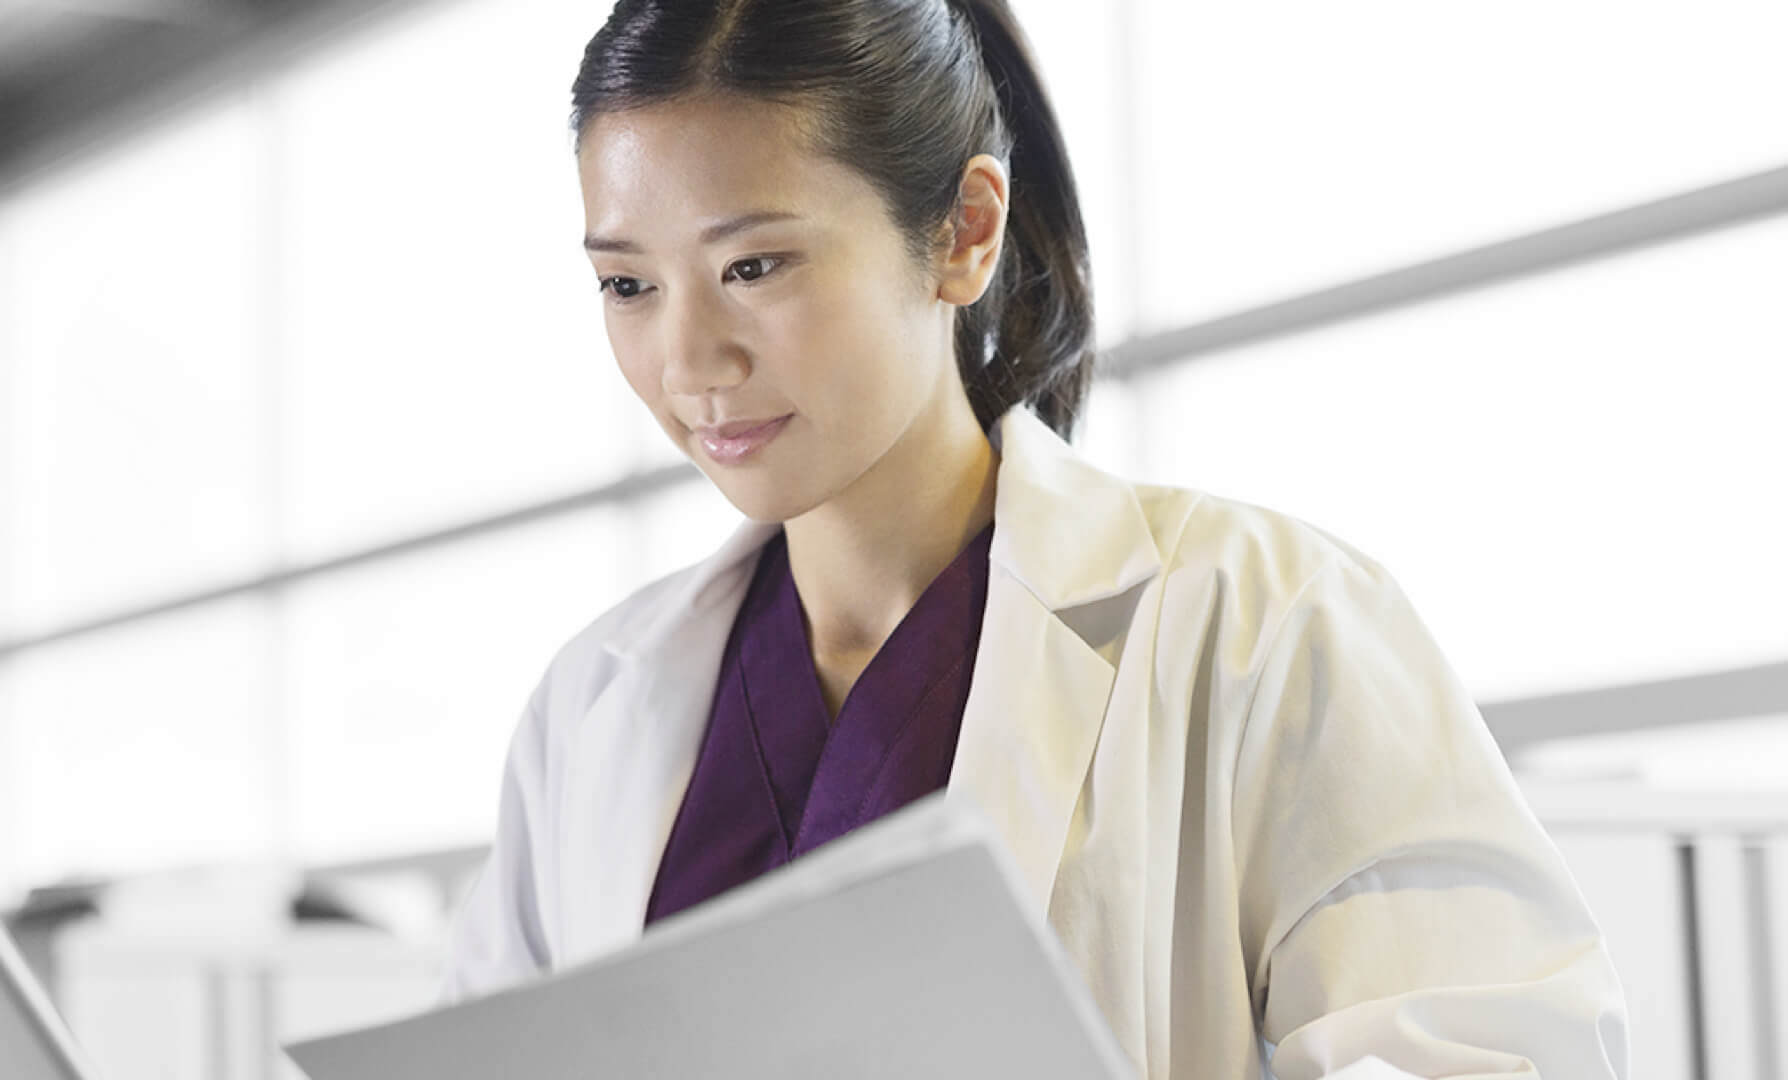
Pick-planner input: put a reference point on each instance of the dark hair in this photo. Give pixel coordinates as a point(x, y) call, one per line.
point(905, 92)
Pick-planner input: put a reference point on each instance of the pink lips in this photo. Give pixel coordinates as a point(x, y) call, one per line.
point(734, 448)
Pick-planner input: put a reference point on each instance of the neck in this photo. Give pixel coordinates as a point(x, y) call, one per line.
point(861, 561)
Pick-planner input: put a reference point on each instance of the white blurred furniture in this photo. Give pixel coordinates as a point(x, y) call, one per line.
point(200, 1007)
point(1691, 890)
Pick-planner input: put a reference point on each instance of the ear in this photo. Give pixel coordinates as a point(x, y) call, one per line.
point(978, 231)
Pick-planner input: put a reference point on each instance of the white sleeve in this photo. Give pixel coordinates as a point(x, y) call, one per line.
point(496, 937)
point(1399, 900)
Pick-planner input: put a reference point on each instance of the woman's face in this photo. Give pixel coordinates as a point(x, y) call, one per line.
point(820, 316)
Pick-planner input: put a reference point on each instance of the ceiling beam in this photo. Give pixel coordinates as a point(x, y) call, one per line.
point(178, 12)
point(132, 72)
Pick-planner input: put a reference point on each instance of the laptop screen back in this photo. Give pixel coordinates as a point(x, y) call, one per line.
point(34, 1043)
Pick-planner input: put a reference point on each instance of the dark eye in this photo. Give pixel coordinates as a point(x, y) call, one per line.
point(623, 288)
point(760, 274)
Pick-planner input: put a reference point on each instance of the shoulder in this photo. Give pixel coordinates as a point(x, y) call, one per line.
point(584, 663)
point(1270, 555)
point(1254, 582)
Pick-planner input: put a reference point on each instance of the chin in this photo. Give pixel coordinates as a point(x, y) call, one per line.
point(760, 502)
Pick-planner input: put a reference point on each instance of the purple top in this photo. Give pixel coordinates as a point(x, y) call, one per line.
point(775, 778)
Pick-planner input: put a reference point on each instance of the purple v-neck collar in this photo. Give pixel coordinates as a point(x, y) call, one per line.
point(829, 776)
point(775, 778)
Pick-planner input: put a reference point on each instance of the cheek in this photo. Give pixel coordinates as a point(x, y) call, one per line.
point(837, 331)
point(641, 380)
point(641, 374)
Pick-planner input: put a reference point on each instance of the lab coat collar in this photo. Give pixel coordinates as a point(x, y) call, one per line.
point(1070, 548)
point(1051, 508)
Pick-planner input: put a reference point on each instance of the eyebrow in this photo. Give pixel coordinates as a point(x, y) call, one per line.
point(718, 231)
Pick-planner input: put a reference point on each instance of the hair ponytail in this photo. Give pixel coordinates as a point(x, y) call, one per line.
point(905, 92)
point(1038, 314)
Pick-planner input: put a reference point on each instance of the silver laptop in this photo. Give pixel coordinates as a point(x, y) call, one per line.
point(34, 1042)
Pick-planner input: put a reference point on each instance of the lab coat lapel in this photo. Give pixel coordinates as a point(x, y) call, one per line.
point(1070, 547)
point(639, 741)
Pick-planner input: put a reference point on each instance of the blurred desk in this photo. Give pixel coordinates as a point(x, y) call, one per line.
point(214, 1007)
point(1690, 889)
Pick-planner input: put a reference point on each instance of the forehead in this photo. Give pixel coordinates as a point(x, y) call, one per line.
point(673, 166)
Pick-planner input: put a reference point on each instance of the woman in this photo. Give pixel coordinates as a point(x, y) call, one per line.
point(842, 262)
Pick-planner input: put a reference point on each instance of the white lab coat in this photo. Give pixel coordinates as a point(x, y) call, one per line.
point(1252, 798)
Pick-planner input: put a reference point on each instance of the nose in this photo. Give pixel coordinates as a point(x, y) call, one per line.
point(702, 355)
